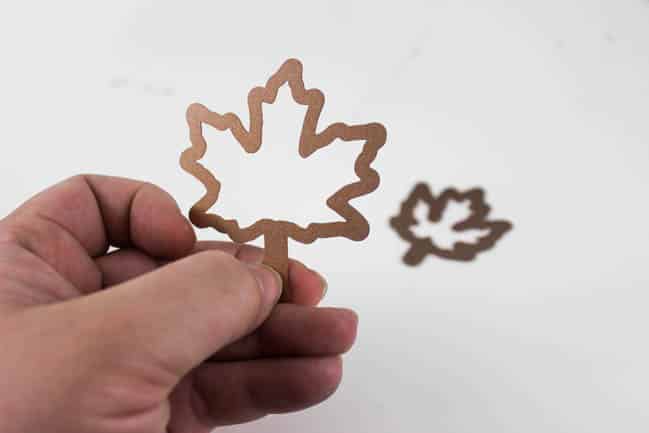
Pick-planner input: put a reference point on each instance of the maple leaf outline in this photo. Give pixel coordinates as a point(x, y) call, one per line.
point(276, 232)
point(461, 251)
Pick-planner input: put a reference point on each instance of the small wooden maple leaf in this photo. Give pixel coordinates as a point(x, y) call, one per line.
point(276, 232)
point(472, 232)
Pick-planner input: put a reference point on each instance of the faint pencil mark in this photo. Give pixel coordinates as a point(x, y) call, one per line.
point(118, 83)
point(610, 38)
point(144, 87)
point(157, 91)
point(415, 52)
point(395, 70)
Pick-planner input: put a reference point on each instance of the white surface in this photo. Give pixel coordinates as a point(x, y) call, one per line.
point(544, 104)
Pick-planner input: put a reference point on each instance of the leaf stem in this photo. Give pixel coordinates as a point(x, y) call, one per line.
point(276, 255)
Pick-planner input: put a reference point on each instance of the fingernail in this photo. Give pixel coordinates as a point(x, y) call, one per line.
point(269, 281)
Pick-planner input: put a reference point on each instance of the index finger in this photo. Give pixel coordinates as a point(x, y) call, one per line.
point(100, 211)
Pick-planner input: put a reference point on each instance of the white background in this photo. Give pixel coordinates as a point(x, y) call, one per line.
point(542, 103)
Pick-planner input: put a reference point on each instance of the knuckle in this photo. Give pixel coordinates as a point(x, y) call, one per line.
point(152, 188)
point(11, 233)
point(18, 231)
point(77, 179)
point(249, 253)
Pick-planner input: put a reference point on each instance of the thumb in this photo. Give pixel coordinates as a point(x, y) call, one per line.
point(179, 315)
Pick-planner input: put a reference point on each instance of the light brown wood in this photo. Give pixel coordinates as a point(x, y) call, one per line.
point(354, 226)
point(276, 255)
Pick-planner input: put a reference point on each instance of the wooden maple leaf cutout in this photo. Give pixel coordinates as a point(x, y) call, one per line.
point(277, 232)
point(474, 233)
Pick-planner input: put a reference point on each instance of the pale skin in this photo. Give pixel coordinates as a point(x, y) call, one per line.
point(165, 335)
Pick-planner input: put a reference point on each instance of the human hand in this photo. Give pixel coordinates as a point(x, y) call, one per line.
point(164, 334)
